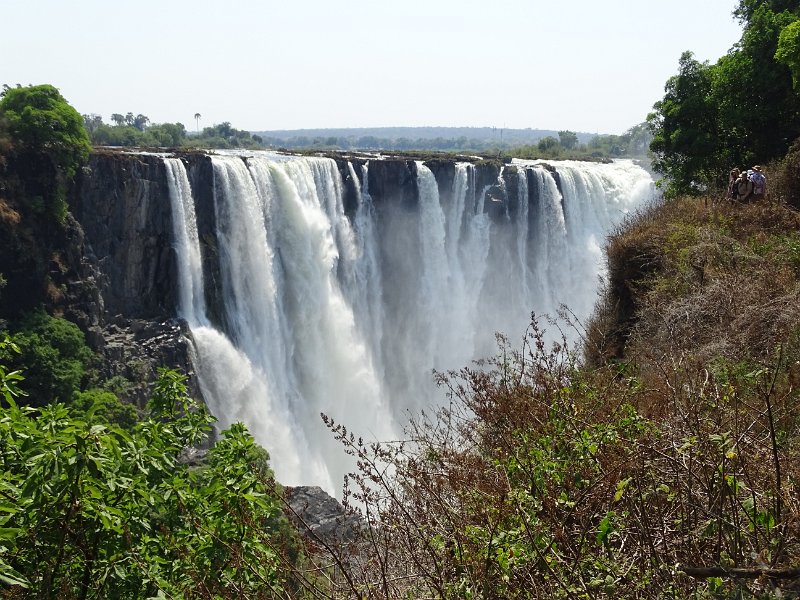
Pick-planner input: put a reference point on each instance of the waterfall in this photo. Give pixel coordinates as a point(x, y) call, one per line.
point(348, 315)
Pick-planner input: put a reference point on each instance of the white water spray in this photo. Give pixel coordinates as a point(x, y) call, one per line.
point(348, 317)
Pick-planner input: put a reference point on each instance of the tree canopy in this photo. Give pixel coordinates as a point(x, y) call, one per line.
point(741, 110)
point(43, 142)
point(40, 120)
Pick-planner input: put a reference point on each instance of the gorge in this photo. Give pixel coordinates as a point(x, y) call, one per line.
point(336, 285)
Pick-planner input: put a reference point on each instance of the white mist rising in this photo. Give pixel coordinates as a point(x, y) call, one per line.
point(349, 318)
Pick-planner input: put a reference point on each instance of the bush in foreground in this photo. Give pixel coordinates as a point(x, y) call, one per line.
point(545, 479)
point(91, 510)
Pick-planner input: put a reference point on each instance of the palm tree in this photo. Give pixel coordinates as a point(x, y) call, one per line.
point(197, 120)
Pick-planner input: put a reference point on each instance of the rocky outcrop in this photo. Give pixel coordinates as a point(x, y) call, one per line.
point(134, 349)
point(319, 516)
point(393, 182)
point(123, 296)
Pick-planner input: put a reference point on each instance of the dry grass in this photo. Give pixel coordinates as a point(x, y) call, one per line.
point(700, 279)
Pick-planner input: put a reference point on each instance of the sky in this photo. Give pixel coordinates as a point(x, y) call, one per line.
point(582, 65)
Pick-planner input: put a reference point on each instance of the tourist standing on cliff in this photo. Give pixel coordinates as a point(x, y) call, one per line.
point(759, 183)
point(744, 187)
point(732, 177)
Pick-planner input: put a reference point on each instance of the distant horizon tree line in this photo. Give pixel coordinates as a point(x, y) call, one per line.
point(633, 143)
point(137, 130)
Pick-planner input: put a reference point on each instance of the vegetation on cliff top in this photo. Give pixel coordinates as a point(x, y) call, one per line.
point(45, 143)
point(740, 111)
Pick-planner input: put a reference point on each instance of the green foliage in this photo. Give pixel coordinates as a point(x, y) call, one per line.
point(88, 509)
point(105, 407)
point(130, 130)
point(223, 136)
point(735, 113)
point(788, 51)
point(47, 143)
point(548, 144)
point(54, 355)
point(633, 143)
point(568, 139)
point(40, 121)
point(684, 144)
point(168, 135)
point(9, 380)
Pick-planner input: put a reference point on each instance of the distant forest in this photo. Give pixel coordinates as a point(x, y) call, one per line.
point(136, 130)
point(486, 140)
point(490, 135)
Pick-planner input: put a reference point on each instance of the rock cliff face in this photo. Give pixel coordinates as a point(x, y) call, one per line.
point(121, 204)
point(124, 293)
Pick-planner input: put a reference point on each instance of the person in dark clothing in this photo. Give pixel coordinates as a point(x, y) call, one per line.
point(732, 177)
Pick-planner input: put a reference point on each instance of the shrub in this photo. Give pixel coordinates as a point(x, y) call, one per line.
point(104, 407)
point(53, 353)
point(544, 479)
point(93, 510)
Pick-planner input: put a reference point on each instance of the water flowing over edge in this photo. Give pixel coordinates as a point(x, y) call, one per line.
point(348, 315)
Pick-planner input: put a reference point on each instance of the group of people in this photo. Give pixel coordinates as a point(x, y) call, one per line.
point(746, 185)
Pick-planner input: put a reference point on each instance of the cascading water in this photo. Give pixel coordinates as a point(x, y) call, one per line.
point(322, 313)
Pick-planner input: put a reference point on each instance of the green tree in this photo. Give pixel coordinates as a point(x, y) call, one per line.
point(548, 144)
point(788, 52)
point(140, 121)
point(568, 139)
point(104, 406)
point(41, 121)
point(166, 134)
point(747, 8)
point(684, 134)
point(92, 122)
point(737, 112)
point(53, 353)
point(48, 144)
point(637, 140)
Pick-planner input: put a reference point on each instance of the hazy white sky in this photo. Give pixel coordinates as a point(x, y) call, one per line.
point(584, 65)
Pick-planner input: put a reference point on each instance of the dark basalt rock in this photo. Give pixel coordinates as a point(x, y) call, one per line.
point(320, 517)
point(134, 349)
point(393, 182)
point(511, 183)
point(124, 295)
point(122, 204)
